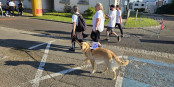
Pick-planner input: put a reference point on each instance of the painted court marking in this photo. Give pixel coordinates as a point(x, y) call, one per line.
point(119, 80)
point(133, 83)
point(64, 72)
point(41, 65)
point(4, 57)
point(30, 48)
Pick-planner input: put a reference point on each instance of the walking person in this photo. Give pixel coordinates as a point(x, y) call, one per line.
point(111, 24)
point(98, 25)
point(7, 8)
point(76, 31)
point(1, 8)
point(20, 8)
point(11, 7)
point(119, 19)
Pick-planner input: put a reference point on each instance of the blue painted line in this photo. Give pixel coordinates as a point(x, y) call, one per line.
point(151, 62)
point(132, 83)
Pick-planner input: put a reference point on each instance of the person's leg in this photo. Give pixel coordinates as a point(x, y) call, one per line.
point(2, 11)
point(13, 10)
point(98, 39)
point(21, 13)
point(121, 30)
point(10, 10)
point(73, 43)
point(107, 33)
point(115, 34)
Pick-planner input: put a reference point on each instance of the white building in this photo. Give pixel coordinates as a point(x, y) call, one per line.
point(138, 5)
point(58, 5)
point(47, 5)
point(83, 4)
point(150, 6)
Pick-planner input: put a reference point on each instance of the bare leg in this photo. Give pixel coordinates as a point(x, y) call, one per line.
point(99, 44)
point(86, 60)
point(107, 34)
point(114, 78)
point(93, 66)
point(115, 34)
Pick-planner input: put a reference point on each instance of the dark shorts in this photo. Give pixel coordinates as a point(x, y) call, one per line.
point(78, 37)
point(95, 36)
point(110, 29)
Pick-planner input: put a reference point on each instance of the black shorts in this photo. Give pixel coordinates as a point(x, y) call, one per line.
point(78, 37)
point(110, 29)
point(95, 36)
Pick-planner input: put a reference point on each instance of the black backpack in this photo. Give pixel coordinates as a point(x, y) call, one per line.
point(82, 26)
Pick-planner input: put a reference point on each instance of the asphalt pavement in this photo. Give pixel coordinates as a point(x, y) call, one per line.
point(34, 53)
point(133, 38)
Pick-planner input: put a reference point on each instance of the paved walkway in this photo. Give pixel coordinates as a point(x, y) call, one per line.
point(29, 59)
point(132, 39)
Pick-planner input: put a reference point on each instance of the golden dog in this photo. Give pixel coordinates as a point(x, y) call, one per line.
point(101, 54)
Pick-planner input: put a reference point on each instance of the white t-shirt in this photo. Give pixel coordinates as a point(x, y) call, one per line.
point(75, 18)
point(0, 4)
point(98, 14)
point(118, 14)
point(11, 4)
point(112, 21)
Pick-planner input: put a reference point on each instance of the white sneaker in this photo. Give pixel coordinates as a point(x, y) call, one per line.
point(94, 45)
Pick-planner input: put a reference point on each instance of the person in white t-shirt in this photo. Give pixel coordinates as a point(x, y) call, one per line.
point(119, 19)
point(1, 8)
point(75, 35)
point(11, 7)
point(112, 22)
point(98, 25)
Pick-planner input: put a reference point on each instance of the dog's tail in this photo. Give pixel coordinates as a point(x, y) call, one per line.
point(118, 60)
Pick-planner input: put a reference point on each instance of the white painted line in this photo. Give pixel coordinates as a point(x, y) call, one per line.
point(124, 82)
point(36, 46)
point(151, 62)
point(42, 64)
point(132, 83)
point(119, 81)
point(60, 73)
point(4, 57)
point(64, 72)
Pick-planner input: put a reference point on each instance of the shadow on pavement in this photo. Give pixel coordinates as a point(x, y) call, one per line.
point(157, 41)
point(52, 67)
point(24, 45)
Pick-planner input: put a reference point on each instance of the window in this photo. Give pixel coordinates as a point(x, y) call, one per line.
point(136, 4)
point(64, 1)
point(142, 4)
point(85, 2)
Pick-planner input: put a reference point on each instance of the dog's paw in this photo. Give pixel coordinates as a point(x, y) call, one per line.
point(113, 78)
point(93, 71)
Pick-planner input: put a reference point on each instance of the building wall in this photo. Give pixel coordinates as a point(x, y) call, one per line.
point(82, 7)
point(46, 4)
point(139, 5)
point(150, 7)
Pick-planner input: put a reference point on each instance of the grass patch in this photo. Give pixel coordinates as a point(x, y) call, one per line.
point(65, 17)
point(141, 21)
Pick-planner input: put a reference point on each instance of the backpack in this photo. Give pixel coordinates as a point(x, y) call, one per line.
point(82, 26)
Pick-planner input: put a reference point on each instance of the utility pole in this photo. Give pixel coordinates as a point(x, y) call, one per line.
point(37, 7)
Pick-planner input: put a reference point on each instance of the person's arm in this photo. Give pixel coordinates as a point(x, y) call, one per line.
point(97, 23)
point(120, 16)
point(74, 28)
point(120, 19)
point(74, 20)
